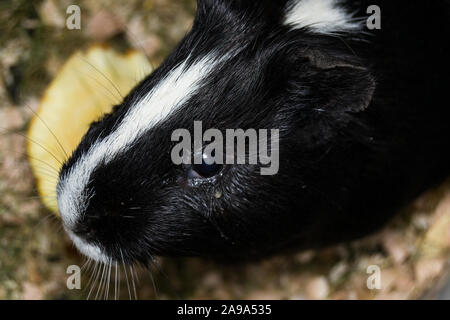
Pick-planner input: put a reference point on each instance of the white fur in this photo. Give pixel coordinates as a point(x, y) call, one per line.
point(320, 16)
point(89, 250)
point(175, 89)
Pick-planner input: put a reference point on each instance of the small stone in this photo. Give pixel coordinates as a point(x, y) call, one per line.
point(305, 257)
point(151, 44)
point(392, 296)
point(104, 25)
point(141, 38)
point(11, 119)
point(337, 272)
point(420, 222)
point(396, 246)
point(364, 262)
point(426, 270)
point(317, 288)
point(51, 14)
point(298, 297)
point(388, 278)
point(264, 295)
point(29, 208)
point(32, 292)
point(345, 295)
point(33, 273)
point(443, 209)
point(7, 218)
point(53, 65)
point(212, 280)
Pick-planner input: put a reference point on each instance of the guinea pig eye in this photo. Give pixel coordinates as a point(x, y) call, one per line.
point(205, 170)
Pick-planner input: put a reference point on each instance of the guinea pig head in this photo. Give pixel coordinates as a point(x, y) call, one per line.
point(121, 195)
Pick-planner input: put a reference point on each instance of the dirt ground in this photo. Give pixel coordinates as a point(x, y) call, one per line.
point(412, 253)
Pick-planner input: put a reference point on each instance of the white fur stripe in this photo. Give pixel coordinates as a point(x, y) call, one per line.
point(172, 91)
point(89, 250)
point(320, 16)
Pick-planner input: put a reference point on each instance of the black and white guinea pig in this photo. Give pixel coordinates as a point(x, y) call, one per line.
point(362, 119)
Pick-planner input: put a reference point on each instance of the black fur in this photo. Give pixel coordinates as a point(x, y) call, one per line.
point(363, 130)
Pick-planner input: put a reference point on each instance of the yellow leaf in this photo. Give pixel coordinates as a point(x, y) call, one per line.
point(88, 86)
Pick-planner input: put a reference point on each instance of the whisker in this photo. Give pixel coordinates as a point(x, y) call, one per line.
point(101, 281)
point(109, 279)
point(91, 277)
point(94, 276)
point(48, 128)
point(38, 144)
point(153, 283)
point(48, 167)
point(126, 276)
point(44, 219)
point(56, 170)
point(104, 76)
point(86, 264)
point(115, 280)
point(47, 173)
point(136, 275)
point(112, 95)
point(38, 197)
point(132, 281)
point(158, 268)
point(118, 281)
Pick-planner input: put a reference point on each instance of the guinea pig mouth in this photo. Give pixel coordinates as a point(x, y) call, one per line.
point(90, 250)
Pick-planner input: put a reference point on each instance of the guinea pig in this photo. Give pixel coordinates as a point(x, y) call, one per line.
point(361, 125)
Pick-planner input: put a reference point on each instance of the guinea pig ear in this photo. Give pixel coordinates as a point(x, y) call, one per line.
point(341, 86)
point(338, 91)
